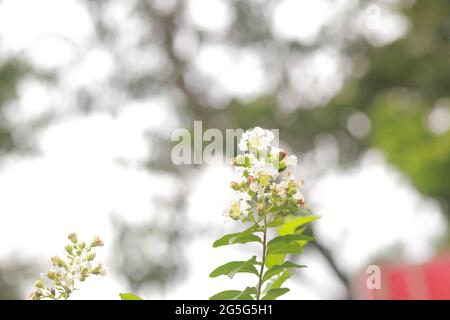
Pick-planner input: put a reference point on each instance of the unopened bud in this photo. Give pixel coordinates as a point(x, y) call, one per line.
point(96, 242)
point(99, 270)
point(57, 261)
point(250, 180)
point(69, 248)
point(73, 237)
point(51, 274)
point(91, 256)
point(234, 185)
point(39, 284)
point(260, 207)
point(35, 295)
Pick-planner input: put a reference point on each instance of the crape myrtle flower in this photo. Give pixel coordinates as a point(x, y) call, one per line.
point(263, 179)
point(77, 265)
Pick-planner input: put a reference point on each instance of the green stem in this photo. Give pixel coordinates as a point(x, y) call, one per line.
point(263, 260)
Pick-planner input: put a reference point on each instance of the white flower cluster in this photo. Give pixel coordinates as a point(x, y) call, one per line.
point(59, 282)
point(256, 139)
point(264, 181)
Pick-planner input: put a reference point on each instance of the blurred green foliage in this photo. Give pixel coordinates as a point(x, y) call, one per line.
point(11, 73)
point(400, 130)
point(406, 82)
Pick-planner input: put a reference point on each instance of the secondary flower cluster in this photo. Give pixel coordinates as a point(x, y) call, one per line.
point(264, 181)
point(59, 282)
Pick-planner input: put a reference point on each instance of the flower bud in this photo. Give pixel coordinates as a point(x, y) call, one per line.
point(91, 256)
point(35, 295)
point(250, 180)
point(69, 248)
point(82, 245)
point(291, 188)
point(57, 261)
point(282, 154)
point(73, 237)
point(39, 284)
point(98, 270)
point(282, 166)
point(260, 207)
point(301, 202)
point(96, 242)
point(234, 185)
point(51, 274)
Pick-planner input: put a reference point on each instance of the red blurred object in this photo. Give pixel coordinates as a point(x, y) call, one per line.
point(428, 281)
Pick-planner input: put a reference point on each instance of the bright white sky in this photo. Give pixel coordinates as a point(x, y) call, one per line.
point(76, 183)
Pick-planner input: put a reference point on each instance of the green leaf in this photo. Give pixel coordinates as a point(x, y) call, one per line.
point(278, 221)
point(278, 281)
point(280, 268)
point(290, 238)
point(250, 290)
point(274, 259)
point(294, 224)
point(272, 294)
point(235, 294)
point(291, 243)
point(279, 247)
point(239, 237)
point(129, 296)
point(284, 248)
point(231, 268)
point(236, 238)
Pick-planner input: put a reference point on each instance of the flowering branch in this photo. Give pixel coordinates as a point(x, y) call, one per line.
point(59, 282)
point(266, 195)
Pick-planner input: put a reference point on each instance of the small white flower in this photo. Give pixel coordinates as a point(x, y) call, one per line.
point(274, 151)
point(256, 139)
point(298, 196)
point(243, 144)
point(262, 168)
point(239, 205)
point(291, 160)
